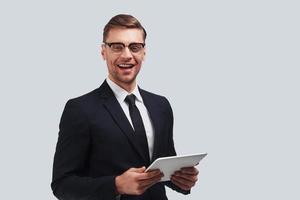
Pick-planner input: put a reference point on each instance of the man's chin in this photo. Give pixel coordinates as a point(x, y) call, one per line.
point(125, 80)
point(128, 81)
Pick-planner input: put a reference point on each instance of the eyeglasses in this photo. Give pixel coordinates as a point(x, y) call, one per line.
point(119, 47)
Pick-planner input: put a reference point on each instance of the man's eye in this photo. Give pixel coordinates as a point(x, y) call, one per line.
point(135, 48)
point(117, 47)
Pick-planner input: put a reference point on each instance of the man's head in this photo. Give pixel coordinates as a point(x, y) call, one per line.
point(123, 49)
point(123, 21)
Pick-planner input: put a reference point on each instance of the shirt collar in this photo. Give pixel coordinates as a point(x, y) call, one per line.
point(121, 94)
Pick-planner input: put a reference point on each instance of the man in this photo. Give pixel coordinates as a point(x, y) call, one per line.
point(109, 136)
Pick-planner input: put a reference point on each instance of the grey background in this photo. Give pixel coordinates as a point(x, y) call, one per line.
point(229, 68)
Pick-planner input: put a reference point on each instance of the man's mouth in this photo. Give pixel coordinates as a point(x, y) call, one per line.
point(125, 66)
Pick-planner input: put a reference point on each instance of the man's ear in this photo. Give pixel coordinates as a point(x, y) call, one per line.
point(144, 56)
point(103, 52)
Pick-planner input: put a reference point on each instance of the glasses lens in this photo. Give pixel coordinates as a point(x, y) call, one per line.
point(117, 47)
point(136, 47)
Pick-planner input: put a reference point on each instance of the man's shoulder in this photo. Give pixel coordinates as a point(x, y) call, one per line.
point(85, 102)
point(154, 97)
point(93, 96)
point(86, 97)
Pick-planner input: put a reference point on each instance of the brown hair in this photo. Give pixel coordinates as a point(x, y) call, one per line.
point(122, 21)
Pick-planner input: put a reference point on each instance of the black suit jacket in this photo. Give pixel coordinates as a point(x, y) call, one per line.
point(96, 143)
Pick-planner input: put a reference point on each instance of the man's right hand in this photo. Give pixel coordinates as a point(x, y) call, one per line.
point(135, 181)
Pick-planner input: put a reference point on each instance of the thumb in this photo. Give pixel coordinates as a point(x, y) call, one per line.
point(139, 170)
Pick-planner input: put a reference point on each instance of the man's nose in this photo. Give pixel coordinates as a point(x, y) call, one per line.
point(126, 53)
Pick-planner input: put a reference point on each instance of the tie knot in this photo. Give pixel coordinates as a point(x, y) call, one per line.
point(130, 100)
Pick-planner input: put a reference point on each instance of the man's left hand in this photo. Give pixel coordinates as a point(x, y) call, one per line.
point(185, 178)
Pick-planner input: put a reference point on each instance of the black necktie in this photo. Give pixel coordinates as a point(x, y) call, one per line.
point(138, 125)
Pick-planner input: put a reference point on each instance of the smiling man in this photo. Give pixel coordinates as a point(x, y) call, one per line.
point(124, 63)
point(110, 135)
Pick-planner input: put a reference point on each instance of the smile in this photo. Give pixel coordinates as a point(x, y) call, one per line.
point(125, 66)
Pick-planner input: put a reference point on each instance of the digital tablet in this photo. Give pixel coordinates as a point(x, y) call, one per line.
point(168, 165)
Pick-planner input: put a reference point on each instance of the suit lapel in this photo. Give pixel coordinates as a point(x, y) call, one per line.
point(155, 115)
point(113, 107)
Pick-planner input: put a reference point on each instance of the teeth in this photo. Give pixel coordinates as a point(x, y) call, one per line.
point(125, 65)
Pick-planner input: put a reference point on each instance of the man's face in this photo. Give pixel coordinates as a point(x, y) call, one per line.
point(123, 66)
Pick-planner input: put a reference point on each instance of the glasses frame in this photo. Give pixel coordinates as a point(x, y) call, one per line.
point(124, 46)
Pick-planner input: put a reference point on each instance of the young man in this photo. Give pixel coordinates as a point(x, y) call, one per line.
point(109, 136)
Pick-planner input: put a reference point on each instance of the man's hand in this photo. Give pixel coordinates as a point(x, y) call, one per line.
point(185, 178)
point(135, 181)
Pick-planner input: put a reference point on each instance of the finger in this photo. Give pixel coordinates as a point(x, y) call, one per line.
point(189, 170)
point(188, 177)
point(149, 175)
point(179, 184)
point(150, 181)
point(185, 181)
point(139, 170)
point(153, 170)
point(150, 185)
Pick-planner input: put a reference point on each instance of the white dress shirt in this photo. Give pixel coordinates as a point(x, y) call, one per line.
point(121, 94)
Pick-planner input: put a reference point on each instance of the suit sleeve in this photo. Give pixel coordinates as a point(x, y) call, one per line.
point(172, 151)
point(70, 181)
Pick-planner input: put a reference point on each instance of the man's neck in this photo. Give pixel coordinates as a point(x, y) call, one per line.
point(129, 87)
